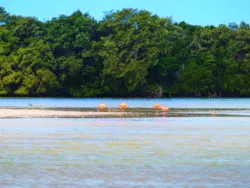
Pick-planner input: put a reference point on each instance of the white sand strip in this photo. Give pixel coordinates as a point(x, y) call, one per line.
point(37, 113)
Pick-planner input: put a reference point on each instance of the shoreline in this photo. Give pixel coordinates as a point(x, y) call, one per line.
point(48, 113)
point(117, 113)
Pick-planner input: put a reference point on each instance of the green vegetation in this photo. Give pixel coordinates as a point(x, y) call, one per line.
point(129, 53)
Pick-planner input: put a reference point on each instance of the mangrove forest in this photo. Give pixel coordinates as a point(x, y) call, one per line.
point(129, 53)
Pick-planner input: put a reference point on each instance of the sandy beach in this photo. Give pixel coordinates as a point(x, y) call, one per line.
point(40, 113)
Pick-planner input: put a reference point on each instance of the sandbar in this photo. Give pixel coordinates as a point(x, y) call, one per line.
point(40, 113)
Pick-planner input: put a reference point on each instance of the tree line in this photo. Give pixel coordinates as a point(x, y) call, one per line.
point(129, 53)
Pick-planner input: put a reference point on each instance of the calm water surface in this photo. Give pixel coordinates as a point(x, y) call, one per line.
point(145, 152)
point(140, 102)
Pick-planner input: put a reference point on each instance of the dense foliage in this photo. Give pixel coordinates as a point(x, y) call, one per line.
point(128, 53)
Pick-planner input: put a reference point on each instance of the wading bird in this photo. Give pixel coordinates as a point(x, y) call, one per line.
point(157, 107)
point(164, 110)
point(102, 106)
point(123, 106)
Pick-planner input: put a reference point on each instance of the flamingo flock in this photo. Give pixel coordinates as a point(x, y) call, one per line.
point(122, 106)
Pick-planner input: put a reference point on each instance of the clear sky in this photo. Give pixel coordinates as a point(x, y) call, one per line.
point(200, 12)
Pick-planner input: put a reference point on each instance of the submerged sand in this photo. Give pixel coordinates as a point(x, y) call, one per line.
point(181, 152)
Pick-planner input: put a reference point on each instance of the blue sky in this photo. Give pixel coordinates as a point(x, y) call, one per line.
point(199, 12)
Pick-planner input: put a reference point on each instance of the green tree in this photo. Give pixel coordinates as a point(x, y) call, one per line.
point(131, 46)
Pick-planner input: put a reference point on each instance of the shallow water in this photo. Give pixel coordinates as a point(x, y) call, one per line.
point(136, 102)
point(143, 152)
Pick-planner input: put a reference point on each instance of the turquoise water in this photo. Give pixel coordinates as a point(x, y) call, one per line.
point(143, 152)
point(142, 102)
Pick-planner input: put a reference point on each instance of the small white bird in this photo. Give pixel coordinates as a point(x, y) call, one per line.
point(32, 105)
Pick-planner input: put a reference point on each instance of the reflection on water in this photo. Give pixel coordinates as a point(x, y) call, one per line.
point(145, 152)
